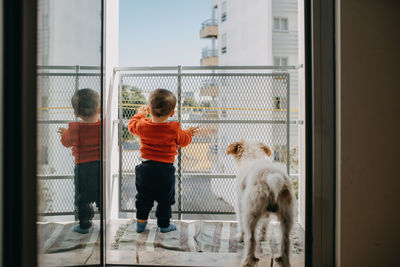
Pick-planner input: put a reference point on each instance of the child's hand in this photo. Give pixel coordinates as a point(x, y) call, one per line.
point(143, 110)
point(193, 130)
point(61, 130)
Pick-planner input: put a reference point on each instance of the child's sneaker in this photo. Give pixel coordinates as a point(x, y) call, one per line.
point(80, 230)
point(170, 228)
point(140, 227)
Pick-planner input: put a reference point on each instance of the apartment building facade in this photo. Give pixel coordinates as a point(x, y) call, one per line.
point(253, 33)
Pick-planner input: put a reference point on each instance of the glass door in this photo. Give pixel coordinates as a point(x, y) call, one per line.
point(69, 122)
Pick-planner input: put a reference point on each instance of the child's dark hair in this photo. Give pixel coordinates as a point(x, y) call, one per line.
point(86, 102)
point(162, 102)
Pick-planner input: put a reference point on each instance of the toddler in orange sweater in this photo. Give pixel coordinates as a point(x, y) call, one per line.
point(83, 138)
point(155, 176)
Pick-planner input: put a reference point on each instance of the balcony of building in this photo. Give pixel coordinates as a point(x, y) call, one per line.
point(209, 29)
point(209, 57)
point(210, 88)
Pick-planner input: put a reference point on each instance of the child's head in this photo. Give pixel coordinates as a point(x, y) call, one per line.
point(86, 103)
point(162, 103)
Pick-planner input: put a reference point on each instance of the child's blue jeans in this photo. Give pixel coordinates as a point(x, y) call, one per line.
point(155, 181)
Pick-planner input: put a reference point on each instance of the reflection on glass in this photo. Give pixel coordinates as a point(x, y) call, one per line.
point(84, 140)
point(69, 88)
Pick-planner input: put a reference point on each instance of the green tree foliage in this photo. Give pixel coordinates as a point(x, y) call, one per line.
point(132, 99)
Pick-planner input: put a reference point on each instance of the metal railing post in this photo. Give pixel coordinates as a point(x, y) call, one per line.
point(77, 78)
point(76, 118)
point(179, 149)
point(120, 136)
point(288, 123)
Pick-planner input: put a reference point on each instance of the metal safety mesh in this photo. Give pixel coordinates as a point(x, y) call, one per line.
point(226, 107)
point(55, 162)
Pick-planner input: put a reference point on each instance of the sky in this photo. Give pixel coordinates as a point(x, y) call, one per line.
point(162, 32)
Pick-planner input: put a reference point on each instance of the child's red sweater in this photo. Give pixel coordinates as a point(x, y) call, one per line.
point(159, 141)
point(84, 138)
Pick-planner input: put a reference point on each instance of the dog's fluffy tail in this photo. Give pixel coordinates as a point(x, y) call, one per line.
point(275, 182)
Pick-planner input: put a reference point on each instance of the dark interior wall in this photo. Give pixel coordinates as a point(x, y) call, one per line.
point(368, 105)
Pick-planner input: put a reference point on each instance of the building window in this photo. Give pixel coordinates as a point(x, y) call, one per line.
point(281, 24)
point(280, 61)
point(223, 43)
point(223, 11)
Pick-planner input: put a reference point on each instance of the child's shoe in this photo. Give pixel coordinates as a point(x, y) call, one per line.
point(80, 230)
point(170, 228)
point(140, 227)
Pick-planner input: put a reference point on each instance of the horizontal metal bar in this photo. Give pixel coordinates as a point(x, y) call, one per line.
point(209, 176)
point(56, 213)
point(65, 74)
point(60, 67)
point(203, 74)
point(145, 68)
point(195, 121)
point(289, 67)
point(55, 177)
point(53, 122)
point(206, 212)
point(191, 212)
point(193, 175)
point(236, 121)
point(150, 68)
point(60, 214)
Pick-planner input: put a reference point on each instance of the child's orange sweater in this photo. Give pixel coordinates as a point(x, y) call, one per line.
point(159, 141)
point(84, 138)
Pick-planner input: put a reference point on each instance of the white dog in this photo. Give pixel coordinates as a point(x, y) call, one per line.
point(262, 188)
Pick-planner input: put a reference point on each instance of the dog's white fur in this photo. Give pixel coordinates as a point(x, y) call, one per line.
point(262, 188)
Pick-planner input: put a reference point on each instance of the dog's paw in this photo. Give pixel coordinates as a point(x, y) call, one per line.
point(250, 262)
point(282, 261)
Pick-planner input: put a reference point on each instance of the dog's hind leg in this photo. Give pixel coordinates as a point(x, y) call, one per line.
point(262, 234)
point(285, 216)
point(239, 215)
point(250, 224)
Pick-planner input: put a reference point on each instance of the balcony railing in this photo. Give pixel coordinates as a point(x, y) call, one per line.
point(208, 52)
point(209, 29)
point(209, 22)
point(209, 57)
point(55, 175)
point(244, 106)
point(209, 88)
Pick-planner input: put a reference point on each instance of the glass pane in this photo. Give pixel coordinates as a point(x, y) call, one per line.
point(277, 61)
point(223, 7)
point(284, 24)
point(276, 23)
point(68, 117)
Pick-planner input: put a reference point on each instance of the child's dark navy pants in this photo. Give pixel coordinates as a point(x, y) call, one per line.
point(87, 191)
point(155, 181)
